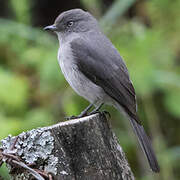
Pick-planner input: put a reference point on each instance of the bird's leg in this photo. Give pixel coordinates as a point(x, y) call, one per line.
point(96, 110)
point(82, 114)
point(85, 111)
point(107, 113)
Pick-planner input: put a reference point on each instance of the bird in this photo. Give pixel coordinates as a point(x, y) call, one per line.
point(95, 70)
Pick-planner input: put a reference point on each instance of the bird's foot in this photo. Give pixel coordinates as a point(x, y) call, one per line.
point(106, 113)
point(83, 113)
point(75, 117)
point(71, 117)
point(94, 112)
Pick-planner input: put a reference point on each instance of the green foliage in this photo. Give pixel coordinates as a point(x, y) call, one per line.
point(115, 11)
point(37, 118)
point(145, 53)
point(3, 172)
point(172, 102)
point(9, 125)
point(21, 10)
point(14, 92)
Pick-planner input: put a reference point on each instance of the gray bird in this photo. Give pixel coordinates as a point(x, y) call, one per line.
point(95, 70)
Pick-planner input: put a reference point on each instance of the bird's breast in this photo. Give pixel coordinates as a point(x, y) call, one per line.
point(77, 80)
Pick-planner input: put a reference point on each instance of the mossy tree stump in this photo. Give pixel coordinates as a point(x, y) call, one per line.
point(79, 149)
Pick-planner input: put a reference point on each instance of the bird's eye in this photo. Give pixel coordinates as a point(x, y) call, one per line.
point(70, 23)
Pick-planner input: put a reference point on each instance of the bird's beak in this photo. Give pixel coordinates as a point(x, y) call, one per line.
point(51, 28)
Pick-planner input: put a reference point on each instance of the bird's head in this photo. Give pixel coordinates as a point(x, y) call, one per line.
point(75, 20)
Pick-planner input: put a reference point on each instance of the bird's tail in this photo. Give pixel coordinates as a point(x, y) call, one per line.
point(145, 145)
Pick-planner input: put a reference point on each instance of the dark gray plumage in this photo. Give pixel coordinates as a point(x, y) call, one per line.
point(95, 70)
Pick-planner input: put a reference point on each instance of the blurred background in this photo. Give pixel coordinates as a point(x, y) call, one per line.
point(34, 93)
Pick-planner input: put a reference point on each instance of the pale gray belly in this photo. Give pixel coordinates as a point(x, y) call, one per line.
point(78, 81)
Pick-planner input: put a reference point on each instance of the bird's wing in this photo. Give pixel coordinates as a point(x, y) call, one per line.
point(104, 66)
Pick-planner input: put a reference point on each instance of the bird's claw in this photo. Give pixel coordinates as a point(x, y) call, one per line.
point(88, 114)
point(76, 117)
point(71, 117)
point(93, 112)
point(106, 113)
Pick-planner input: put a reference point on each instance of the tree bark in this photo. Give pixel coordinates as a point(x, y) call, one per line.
point(79, 149)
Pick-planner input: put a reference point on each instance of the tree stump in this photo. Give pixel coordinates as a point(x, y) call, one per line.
point(79, 149)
